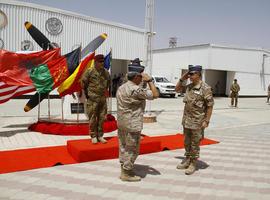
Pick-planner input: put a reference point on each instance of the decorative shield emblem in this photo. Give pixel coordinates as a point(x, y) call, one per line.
point(27, 45)
point(3, 19)
point(2, 44)
point(54, 26)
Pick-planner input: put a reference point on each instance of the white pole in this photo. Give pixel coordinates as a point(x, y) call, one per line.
point(149, 27)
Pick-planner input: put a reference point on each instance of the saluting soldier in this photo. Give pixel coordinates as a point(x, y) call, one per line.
point(235, 88)
point(130, 109)
point(198, 108)
point(96, 82)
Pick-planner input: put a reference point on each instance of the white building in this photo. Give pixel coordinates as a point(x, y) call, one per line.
point(68, 30)
point(250, 66)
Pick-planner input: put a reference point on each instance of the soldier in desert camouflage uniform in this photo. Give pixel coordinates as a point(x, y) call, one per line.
point(130, 109)
point(96, 82)
point(235, 88)
point(197, 113)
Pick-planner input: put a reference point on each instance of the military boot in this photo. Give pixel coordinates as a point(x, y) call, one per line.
point(191, 168)
point(184, 164)
point(102, 140)
point(94, 140)
point(127, 175)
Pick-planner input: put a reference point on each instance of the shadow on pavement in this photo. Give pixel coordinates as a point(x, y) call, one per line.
point(143, 170)
point(17, 126)
point(11, 133)
point(200, 164)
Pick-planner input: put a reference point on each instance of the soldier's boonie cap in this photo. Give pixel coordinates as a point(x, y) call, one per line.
point(99, 58)
point(194, 68)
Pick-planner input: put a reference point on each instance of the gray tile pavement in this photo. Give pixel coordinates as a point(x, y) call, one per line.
point(236, 168)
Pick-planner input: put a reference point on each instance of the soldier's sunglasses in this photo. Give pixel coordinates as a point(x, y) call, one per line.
point(192, 73)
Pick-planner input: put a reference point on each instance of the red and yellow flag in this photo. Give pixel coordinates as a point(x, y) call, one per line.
point(72, 83)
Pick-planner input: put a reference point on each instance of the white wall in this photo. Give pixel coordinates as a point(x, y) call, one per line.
point(251, 84)
point(244, 64)
point(169, 62)
point(236, 59)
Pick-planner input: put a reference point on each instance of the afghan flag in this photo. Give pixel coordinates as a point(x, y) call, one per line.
point(72, 83)
point(15, 67)
point(48, 76)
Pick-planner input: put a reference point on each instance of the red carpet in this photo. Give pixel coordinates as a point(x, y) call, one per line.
point(82, 150)
point(25, 159)
point(57, 128)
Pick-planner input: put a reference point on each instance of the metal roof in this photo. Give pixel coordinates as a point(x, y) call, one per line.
point(212, 45)
point(69, 13)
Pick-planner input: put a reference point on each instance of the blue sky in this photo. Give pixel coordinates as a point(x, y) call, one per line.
point(243, 23)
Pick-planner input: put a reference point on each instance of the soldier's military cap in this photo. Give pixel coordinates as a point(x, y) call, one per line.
point(99, 58)
point(194, 68)
point(135, 66)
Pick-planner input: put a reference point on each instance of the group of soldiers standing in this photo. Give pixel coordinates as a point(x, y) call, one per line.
point(131, 96)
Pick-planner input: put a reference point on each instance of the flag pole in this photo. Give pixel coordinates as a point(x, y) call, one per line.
point(110, 89)
point(77, 96)
point(78, 107)
point(62, 109)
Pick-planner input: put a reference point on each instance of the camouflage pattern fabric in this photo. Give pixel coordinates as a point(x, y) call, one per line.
point(95, 83)
point(130, 106)
point(96, 112)
point(192, 142)
point(235, 88)
point(129, 146)
point(196, 99)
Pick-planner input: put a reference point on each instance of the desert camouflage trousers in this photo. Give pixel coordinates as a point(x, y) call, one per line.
point(234, 99)
point(192, 142)
point(96, 112)
point(129, 146)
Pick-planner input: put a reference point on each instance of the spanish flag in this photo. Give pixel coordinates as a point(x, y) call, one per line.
point(72, 83)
